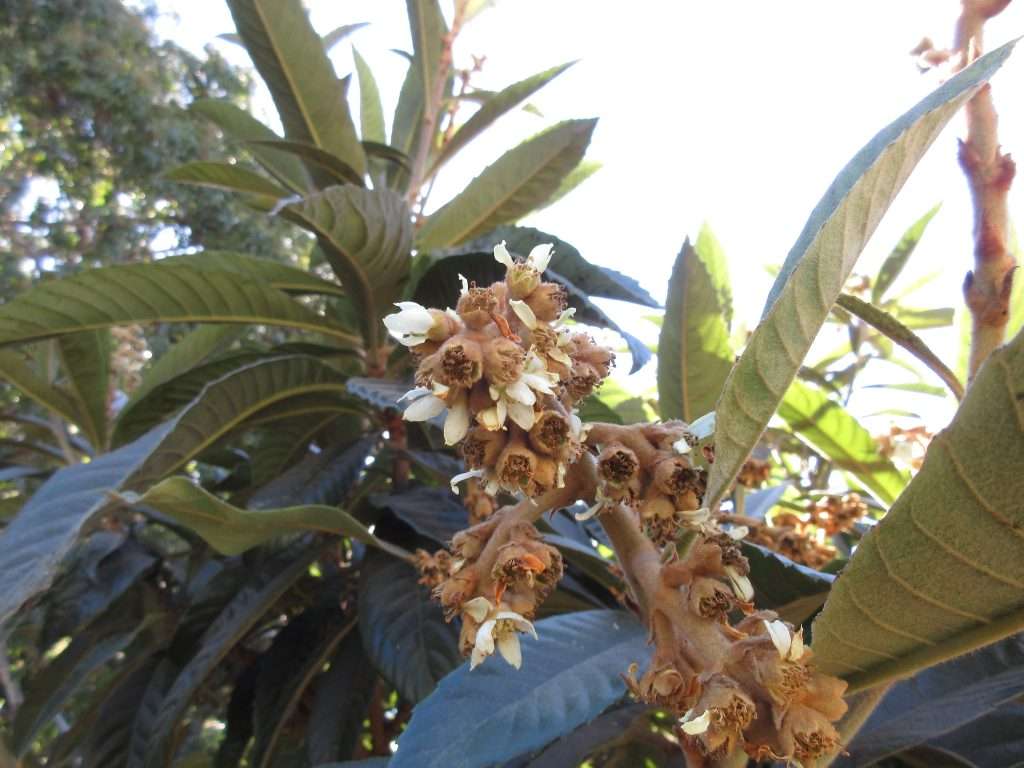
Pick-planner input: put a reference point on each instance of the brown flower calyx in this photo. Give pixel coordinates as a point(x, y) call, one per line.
point(434, 568)
point(458, 363)
point(754, 473)
point(478, 503)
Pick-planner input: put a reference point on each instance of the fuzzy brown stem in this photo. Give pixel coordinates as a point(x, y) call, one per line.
point(989, 174)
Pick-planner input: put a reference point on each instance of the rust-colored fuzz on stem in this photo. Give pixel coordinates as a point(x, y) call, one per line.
point(990, 173)
point(508, 374)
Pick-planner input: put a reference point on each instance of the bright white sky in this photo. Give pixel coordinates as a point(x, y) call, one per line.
point(739, 113)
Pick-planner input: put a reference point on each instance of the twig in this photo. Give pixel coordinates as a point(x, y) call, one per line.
point(989, 174)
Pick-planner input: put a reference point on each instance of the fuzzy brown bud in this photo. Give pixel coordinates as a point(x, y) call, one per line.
point(544, 477)
point(459, 363)
point(710, 599)
point(445, 326)
point(481, 447)
point(476, 307)
point(517, 465)
point(550, 433)
point(503, 361)
point(674, 476)
point(807, 734)
point(583, 380)
point(548, 301)
point(617, 464)
point(729, 710)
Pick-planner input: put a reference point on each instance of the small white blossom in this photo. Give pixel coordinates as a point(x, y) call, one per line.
point(410, 325)
point(430, 403)
point(741, 585)
point(695, 726)
point(539, 257)
point(789, 646)
point(499, 629)
point(515, 400)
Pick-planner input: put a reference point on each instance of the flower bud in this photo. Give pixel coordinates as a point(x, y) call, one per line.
point(481, 447)
point(516, 466)
point(504, 361)
point(459, 363)
point(724, 712)
point(433, 568)
point(476, 306)
point(522, 280)
point(583, 380)
point(478, 503)
point(674, 476)
point(586, 350)
point(617, 464)
point(806, 734)
point(544, 477)
point(550, 433)
point(710, 599)
point(548, 301)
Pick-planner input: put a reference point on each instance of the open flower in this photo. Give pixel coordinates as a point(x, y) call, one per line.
point(428, 403)
point(789, 645)
point(411, 324)
point(516, 399)
point(499, 629)
point(538, 259)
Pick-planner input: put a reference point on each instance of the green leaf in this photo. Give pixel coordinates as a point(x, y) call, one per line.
point(290, 57)
point(181, 356)
point(231, 530)
point(428, 29)
point(943, 573)
point(239, 125)
point(899, 256)
point(260, 191)
point(297, 655)
point(43, 532)
point(333, 169)
point(264, 587)
point(885, 323)
point(85, 358)
point(338, 34)
point(517, 183)
point(924, 318)
point(491, 109)
point(569, 676)
point(371, 113)
point(819, 264)
point(406, 124)
point(144, 293)
point(577, 176)
point(16, 370)
point(367, 236)
point(694, 352)
point(403, 630)
point(833, 432)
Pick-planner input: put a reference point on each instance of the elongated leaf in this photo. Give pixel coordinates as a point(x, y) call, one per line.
point(515, 184)
point(16, 370)
point(337, 170)
point(576, 177)
point(427, 28)
point(367, 236)
point(996, 739)
point(145, 293)
point(405, 125)
point(819, 264)
point(493, 108)
point(897, 259)
point(694, 352)
point(185, 353)
point(568, 677)
point(943, 573)
point(259, 191)
point(371, 113)
point(323, 478)
point(273, 273)
point(108, 734)
point(46, 528)
point(297, 655)
point(432, 512)
point(403, 631)
point(232, 530)
point(264, 587)
point(86, 361)
point(885, 323)
point(792, 590)
point(291, 59)
point(338, 34)
point(340, 699)
point(940, 700)
point(833, 432)
point(239, 125)
point(924, 318)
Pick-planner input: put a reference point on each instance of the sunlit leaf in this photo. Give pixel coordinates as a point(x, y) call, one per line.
point(259, 191)
point(899, 256)
point(85, 358)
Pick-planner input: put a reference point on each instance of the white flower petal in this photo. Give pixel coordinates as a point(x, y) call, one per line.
point(567, 314)
point(463, 284)
point(478, 608)
point(424, 409)
point(456, 424)
point(502, 408)
point(540, 257)
point(414, 318)
point(796, 648)
point(591, 511)
point(508, 646)
point(485, 637)
point(739, 532)
point(741, 585)
point(476, 658)
point(681, 446)
point(524, 313)
point(502, 256)
point(560, 357)
point(703, 427)
point(521, 414)
point(520, 392)
point(781, 639)
point(414, 394)
point(488, 419)
point(463, 476)
point(697, 725)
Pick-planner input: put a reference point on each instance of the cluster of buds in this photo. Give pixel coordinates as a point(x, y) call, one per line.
point(647, 468)
point(794, 538)
point(837, 514)
point(754, 473)
point(906, 447)
point(751, 685)
point(506, 370)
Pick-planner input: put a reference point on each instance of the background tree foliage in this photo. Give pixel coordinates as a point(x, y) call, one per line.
point(210, 564)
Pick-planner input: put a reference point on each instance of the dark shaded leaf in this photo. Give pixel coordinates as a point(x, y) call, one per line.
point(943, 699)
point(574, 748)
point(792, 590)
point(323, 478)
point(85, 358)
point(997, 739)
point(148, 707)
point(380, 393)
point(109, 736)
point(341, 697)
point(330, 166)
point(238, 720)
point(568, 677)
point(435, 513)
point(403, 632)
